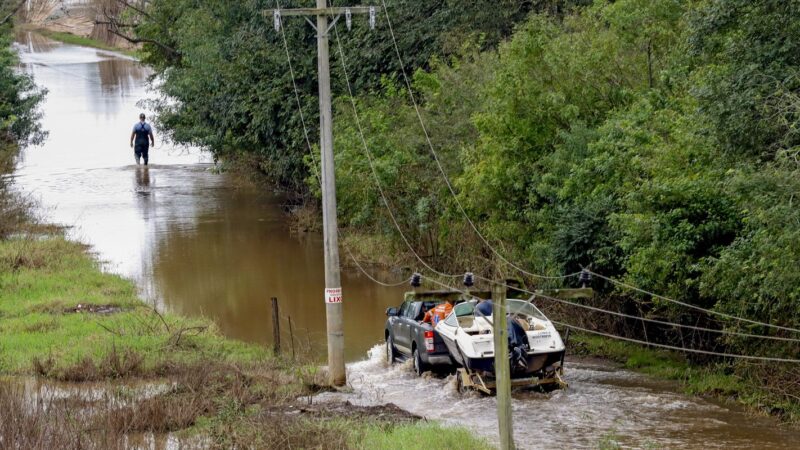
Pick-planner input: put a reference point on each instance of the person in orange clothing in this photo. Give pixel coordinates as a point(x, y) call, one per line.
point(433, 316)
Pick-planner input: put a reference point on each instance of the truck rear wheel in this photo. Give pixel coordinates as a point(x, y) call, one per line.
point(419, 366)
point(391, 355)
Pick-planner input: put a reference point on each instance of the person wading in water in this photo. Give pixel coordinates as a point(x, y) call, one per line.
point(143, 136)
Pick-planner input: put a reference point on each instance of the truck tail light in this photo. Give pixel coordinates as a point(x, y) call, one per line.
point(429, 341)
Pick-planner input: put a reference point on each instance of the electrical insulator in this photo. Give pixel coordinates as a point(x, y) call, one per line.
point(276, 15)
point(348, 18)
point(585, 277)
point(372, 17)
point(469, 279)
point(416, 280)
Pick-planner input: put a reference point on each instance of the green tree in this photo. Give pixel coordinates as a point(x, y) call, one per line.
point(19, 98)
point(223, 72)
point(748, 72)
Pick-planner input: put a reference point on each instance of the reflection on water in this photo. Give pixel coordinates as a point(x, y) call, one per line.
point(34, 43)
point(237, 254)
point(117, 75)
point(192, 243)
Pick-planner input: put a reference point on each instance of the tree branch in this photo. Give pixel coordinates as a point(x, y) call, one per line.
point(115, 24)
point(138, 10)
point(13, 11)
point(176, 54)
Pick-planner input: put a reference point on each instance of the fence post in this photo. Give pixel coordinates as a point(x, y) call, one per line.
point(276, 327)
point(291, 335)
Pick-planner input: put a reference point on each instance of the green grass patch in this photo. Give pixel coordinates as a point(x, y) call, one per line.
point(418, 436)
point(49, 289)
point(658, 363)
point(61, 317)
point(235, 426)
point(84, 41)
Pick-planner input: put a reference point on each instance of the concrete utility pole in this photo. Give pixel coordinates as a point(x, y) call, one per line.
point(502, 367)
point(333, 286)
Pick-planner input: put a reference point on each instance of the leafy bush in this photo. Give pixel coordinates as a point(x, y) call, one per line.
point(19, 99)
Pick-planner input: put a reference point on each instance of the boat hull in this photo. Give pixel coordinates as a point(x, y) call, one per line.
point(536, 363)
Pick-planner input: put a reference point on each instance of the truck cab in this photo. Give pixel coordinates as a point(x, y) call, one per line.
point(408, 337)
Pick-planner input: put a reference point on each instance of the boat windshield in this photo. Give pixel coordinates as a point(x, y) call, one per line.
point(516, 306)
point(513, 306)
point(464, 309)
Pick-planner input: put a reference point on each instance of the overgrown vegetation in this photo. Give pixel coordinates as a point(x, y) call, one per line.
point(654, 141)
point(86, 364)
point(19, 125)
point(150, 374)
point(19, 99)
point(226, 82)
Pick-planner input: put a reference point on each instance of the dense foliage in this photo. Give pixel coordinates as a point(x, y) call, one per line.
point(655, 141)
point(225, 77)
point(19, 98)
point(19, 125)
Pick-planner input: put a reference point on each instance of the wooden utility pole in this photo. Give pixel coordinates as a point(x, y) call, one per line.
point(502, 367)
point(333, 287)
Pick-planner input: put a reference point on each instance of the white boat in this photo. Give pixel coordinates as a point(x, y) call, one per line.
point(535, 347)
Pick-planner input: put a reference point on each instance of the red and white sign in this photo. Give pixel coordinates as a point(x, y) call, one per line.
point(333, 295)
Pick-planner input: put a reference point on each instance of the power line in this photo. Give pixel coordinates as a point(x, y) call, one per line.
point(368, 275)
point(486, 242)
point(422, 261)
point(441, 169)
point(297, 98)
point(681, 349)
point(689, 305)
point(368, 154)
point(652, 344)
point(311, 149)
point(629, 316)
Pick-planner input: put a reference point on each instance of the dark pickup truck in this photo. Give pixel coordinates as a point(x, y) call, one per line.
point(408, 337)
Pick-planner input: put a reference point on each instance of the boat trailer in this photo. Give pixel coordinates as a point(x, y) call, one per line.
point(484, 382)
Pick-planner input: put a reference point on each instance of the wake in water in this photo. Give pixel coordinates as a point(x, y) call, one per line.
point(602, 403)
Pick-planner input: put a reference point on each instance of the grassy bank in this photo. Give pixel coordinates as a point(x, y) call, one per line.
point(62, 319)
point(56, 305)
point(719, 380)
point(85, 41)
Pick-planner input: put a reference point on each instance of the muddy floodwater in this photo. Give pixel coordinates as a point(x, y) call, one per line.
point(194, 241)
point(198, 243)
point(602, 407)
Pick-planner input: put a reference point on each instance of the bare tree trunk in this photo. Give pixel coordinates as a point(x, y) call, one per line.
point(37, 11)
point(105, 9)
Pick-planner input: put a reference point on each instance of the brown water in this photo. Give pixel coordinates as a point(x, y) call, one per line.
point(602, 405)
point(196, 244)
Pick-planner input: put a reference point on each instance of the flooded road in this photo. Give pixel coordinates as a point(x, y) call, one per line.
point(602, 407)
point(196, 243)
